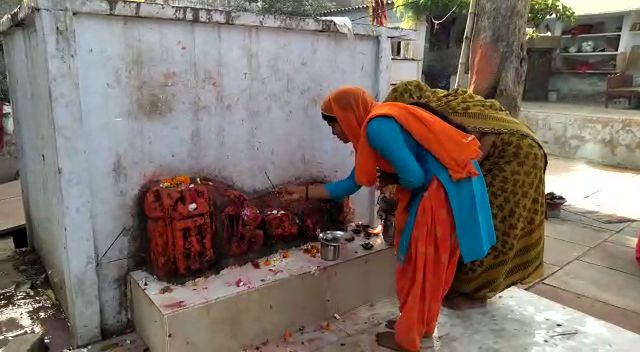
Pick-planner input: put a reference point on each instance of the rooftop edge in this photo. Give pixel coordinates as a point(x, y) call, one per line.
point(175, 10)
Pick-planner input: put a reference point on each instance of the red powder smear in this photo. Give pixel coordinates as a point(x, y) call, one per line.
point(179, 228)
point(280, 224)
point(174, 305)
point(241, 235)
point(169, 76)
point(286, 336)
point(312, 250)
point(251, 216)
point(235, 196)
point(276, 271)
point(242, 283)
point(184, 214)
point(310, 225)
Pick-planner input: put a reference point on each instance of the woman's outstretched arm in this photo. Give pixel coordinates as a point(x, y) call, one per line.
point(386, 137)
point(334, 190)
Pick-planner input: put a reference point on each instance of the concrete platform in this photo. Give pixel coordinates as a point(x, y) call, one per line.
point(515, 321)
point(126, 343)
point(11, 208)
point(588, 132)
point(244, 305)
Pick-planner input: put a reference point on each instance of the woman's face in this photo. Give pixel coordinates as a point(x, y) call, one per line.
point(337, 131)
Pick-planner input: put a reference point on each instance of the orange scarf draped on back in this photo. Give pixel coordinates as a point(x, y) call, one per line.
point(354, 108)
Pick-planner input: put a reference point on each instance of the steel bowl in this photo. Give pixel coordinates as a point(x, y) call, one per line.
point(331, 237)
point(330, 244)
point(329, 252)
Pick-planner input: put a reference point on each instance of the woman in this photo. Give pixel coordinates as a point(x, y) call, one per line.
point(513, 163)
point(441, 193)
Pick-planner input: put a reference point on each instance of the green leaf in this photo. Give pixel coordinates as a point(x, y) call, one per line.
point(411, 11)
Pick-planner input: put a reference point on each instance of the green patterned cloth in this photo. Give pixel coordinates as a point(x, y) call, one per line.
point(514, 170)
point(473, 111)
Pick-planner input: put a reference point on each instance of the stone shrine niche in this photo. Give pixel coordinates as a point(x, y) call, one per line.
point(195, 225)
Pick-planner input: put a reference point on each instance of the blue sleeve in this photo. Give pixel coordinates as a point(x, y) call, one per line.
point(344, 187)
point(387, 138)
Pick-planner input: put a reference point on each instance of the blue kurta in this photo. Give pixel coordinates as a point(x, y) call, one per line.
point(416, 167)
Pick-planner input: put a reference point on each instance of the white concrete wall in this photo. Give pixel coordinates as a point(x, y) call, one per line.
point(405, 70)
point(402, 69)
point(582, 87)
point(591, 87)
point(587, 135)
point(40, 97)
point(107, 102)
point(629, 40)
point(28, 83)
point(166, 98)
point(9, 151)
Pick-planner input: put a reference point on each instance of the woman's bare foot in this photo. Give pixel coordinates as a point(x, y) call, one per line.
point(387, 339)
point(391, 325)
point(463, 303)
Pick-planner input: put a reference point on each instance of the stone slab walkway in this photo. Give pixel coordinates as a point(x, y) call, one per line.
point(590, 265)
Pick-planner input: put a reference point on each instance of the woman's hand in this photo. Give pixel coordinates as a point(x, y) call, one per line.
point(486, 142)
point(293, 192)
point(387, 179)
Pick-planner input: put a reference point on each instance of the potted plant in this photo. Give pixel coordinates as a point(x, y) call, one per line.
point(554, 204)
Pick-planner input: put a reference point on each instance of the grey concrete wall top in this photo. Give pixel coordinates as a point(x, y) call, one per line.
point(176, 10)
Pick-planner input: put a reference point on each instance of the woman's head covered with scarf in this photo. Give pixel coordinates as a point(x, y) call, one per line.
point(346, 109)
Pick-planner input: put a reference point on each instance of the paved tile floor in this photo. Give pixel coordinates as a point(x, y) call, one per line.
point(516, 320)
point(591, 266)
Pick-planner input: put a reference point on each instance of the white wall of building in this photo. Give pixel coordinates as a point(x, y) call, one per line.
point(408, 55)
point(104, 103)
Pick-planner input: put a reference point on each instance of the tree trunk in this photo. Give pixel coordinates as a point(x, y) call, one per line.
point(499, 53)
